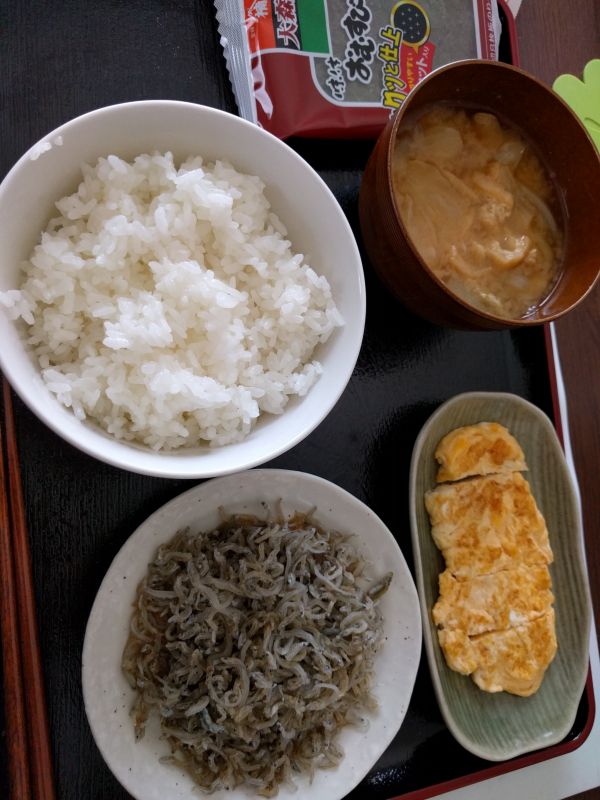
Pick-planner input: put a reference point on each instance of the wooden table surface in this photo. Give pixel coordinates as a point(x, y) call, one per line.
point(554, 36)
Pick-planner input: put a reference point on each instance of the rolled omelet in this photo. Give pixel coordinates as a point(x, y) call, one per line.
point(487, 524)
point(512, 660)
point(483, 449)
point(494, 602)
point(494, 611)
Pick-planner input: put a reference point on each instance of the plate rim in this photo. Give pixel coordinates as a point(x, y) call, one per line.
point(427, 624)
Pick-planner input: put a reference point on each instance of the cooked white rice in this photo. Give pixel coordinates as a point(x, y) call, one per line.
point(166, 304)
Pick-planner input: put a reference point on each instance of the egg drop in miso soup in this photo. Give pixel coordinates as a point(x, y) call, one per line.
point(480, 209)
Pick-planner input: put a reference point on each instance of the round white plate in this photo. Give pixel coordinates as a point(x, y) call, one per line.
point(108, 697)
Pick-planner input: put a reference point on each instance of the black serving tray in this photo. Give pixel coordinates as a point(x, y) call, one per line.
point(60, 60)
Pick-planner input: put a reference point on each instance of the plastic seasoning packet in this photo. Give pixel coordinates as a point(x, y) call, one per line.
point(340, 68)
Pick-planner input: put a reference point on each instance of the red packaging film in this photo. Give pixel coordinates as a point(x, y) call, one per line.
point(340, 68)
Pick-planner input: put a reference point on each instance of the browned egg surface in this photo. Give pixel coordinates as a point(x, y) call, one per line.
point(480, 209)
point(494, 614)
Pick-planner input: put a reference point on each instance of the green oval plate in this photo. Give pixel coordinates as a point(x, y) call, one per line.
point(501, 726)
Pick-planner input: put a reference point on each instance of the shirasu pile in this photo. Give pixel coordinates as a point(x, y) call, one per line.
point(255, 644)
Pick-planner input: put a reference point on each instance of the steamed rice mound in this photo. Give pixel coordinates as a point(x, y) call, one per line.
point(166, 304)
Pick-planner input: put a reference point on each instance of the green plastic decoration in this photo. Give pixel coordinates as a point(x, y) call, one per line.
point(583, 96)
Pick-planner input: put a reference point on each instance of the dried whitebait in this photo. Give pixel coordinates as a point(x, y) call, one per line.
point(255, 643)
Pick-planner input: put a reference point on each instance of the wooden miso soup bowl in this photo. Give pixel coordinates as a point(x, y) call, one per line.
point(571, 160)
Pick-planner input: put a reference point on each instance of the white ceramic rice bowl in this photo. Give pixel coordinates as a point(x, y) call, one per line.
point(316, 227)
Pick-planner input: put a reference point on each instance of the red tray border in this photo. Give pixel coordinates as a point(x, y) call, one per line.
point(562, 748)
